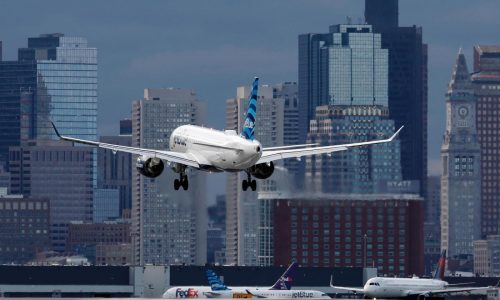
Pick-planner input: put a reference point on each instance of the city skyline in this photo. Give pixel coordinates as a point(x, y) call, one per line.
point(203, 53)
point(189, 57)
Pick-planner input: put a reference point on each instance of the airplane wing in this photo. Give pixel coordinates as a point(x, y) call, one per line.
point(445, 291)
point(345, 288)
point(451, 291)
point(175, 157)
point(273, 155)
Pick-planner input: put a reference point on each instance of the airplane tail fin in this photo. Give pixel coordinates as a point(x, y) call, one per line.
point(441, 266)
point(215, 282)
point(248, 126)
point(285, 281)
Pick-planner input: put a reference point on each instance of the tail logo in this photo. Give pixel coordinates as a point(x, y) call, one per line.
point(215, 282)
point(249, 125)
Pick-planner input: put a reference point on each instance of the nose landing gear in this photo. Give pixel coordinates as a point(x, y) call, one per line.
point(246, 183)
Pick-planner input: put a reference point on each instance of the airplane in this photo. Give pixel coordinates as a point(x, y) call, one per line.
point(218, 289)
point(386, 287)
point(211, 150)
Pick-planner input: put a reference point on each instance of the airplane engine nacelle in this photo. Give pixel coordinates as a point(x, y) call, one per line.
point(149, 166)
point(262, 171)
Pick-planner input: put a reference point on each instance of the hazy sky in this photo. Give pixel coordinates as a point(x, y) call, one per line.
point(213, 46)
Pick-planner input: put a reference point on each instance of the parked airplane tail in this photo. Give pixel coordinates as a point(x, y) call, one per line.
point(285, 281)
point(215, 282)
point(248, 126)
point(440, 266)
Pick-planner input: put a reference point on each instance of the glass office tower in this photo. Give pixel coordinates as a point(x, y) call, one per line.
point(66, 85)
point(357, 67)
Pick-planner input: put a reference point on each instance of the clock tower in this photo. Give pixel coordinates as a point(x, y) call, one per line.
point(460, 154)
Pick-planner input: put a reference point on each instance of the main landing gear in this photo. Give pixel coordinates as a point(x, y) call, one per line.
point(182, 181)
point(246, 183)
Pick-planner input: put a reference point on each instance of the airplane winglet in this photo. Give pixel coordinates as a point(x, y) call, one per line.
point(395, 134)
point(55, 129)
point(331, 280)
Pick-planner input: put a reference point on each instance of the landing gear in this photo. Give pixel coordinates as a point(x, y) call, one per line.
point(246, 183)
point(182, 181)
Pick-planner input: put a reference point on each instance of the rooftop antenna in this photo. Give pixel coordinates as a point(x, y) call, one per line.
point(349, 20)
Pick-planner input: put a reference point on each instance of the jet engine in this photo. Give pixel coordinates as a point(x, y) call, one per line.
point(262, 171)
point(149, 166)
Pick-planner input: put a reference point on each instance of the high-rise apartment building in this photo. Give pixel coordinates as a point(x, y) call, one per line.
point(277, 109)
point(461, 178)
point(169, 226)
point(59, 172)
point(486, 82)
point(407, 89)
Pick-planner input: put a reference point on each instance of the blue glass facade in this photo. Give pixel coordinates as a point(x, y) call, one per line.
point(66, 85)
point(106, 205)
point(357, 67)
point(17, 89)
point(360, 170)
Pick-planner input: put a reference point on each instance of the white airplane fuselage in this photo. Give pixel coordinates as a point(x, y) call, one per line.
point(216, 150)
point(288, 294)
point(198, 292)
point(383, 287)
point(241, 292)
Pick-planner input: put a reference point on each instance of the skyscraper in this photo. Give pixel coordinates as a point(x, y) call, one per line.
point(460, 153)
point(276, 108)
point(407, 85)
point(66, 85)
point(486, 82)
point(357, 69)
point(168, 226)
point(361, 170)
point(17, 97)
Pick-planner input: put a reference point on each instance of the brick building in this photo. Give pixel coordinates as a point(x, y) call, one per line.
point(379, 230)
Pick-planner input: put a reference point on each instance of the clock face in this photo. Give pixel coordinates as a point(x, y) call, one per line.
point(463, 111)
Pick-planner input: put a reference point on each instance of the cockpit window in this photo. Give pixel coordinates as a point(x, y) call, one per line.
point(374, 283)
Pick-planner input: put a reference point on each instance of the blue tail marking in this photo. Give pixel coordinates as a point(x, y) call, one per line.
point(215, 282)
point(286, 280)
point(248, 126)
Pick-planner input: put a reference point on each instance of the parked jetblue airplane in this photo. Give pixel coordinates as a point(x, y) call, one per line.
point(386, 287)
point(218, 289)
point(217, 151)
